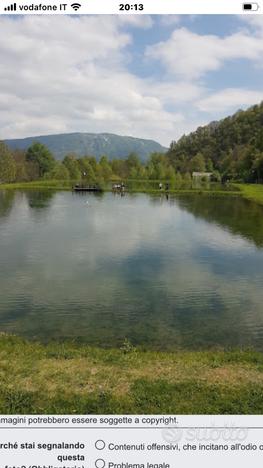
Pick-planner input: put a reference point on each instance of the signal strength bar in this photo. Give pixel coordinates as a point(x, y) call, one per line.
point(11, 7)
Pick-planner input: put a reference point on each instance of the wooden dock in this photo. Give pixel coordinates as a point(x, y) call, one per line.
point(89, 188)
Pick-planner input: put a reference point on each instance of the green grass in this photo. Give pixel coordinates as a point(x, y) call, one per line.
point(40, 184)
point(67, 185)
point(69, 378)
point(252, 192)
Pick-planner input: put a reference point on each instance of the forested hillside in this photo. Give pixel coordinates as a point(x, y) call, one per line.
point(233, 146)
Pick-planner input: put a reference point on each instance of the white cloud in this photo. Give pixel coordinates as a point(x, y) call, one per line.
point(65, 74)
point(190, 55)
point(228, 99)
point(137, 21)
point(177, 92)
point(254, 21)
point(70, 74)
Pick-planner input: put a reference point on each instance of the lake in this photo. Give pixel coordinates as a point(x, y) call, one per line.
point(182, 272)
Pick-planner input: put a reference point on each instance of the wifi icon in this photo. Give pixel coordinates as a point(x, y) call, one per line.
point(75, 6)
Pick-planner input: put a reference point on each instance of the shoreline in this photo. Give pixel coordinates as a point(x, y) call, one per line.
point(67, 378)
point(252, 192)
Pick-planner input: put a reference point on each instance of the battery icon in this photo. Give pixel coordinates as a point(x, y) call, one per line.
point(250, 6)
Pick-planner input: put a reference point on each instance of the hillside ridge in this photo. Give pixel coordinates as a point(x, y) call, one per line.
point(93, 144)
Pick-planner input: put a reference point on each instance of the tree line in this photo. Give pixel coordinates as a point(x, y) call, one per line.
point(38, 163)
point(231, 149)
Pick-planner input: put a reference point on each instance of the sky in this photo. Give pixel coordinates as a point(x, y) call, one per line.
point(154, 77)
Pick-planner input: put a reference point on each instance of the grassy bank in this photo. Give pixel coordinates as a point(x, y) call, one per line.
point(252, 192)
point(70, 378)
point(39, 184)
point(143, 187)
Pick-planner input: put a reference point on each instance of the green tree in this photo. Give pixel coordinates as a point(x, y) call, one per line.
point(178, 180)
point(7, 164)
point(150, 170)
point(104, 168)
point(170, 173)
point(133, 163)
point(87, 172)
point(187, 180)
point(216, 176)
point(209, 165)
point(258, 168)
point(119, 168)
point(71, 163)
point(21, 165)
point(59, 172)
point(198, 163)
point(160, 171)
point(40, 155)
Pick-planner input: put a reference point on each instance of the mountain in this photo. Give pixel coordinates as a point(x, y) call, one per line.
point(92, 144)
point(233, 146)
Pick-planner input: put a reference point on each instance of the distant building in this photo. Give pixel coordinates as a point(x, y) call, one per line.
point(207, 175)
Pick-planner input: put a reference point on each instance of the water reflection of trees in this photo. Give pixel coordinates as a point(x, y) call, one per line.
point(83, 194)
point(6, 202)
point(239, 216)
point(39, 199)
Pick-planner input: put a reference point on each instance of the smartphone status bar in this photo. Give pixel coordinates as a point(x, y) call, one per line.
point(85, 7)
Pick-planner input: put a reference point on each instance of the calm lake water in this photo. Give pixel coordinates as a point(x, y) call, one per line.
point(184, 272)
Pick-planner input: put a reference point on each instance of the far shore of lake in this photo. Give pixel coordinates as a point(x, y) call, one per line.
point(253, 192)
